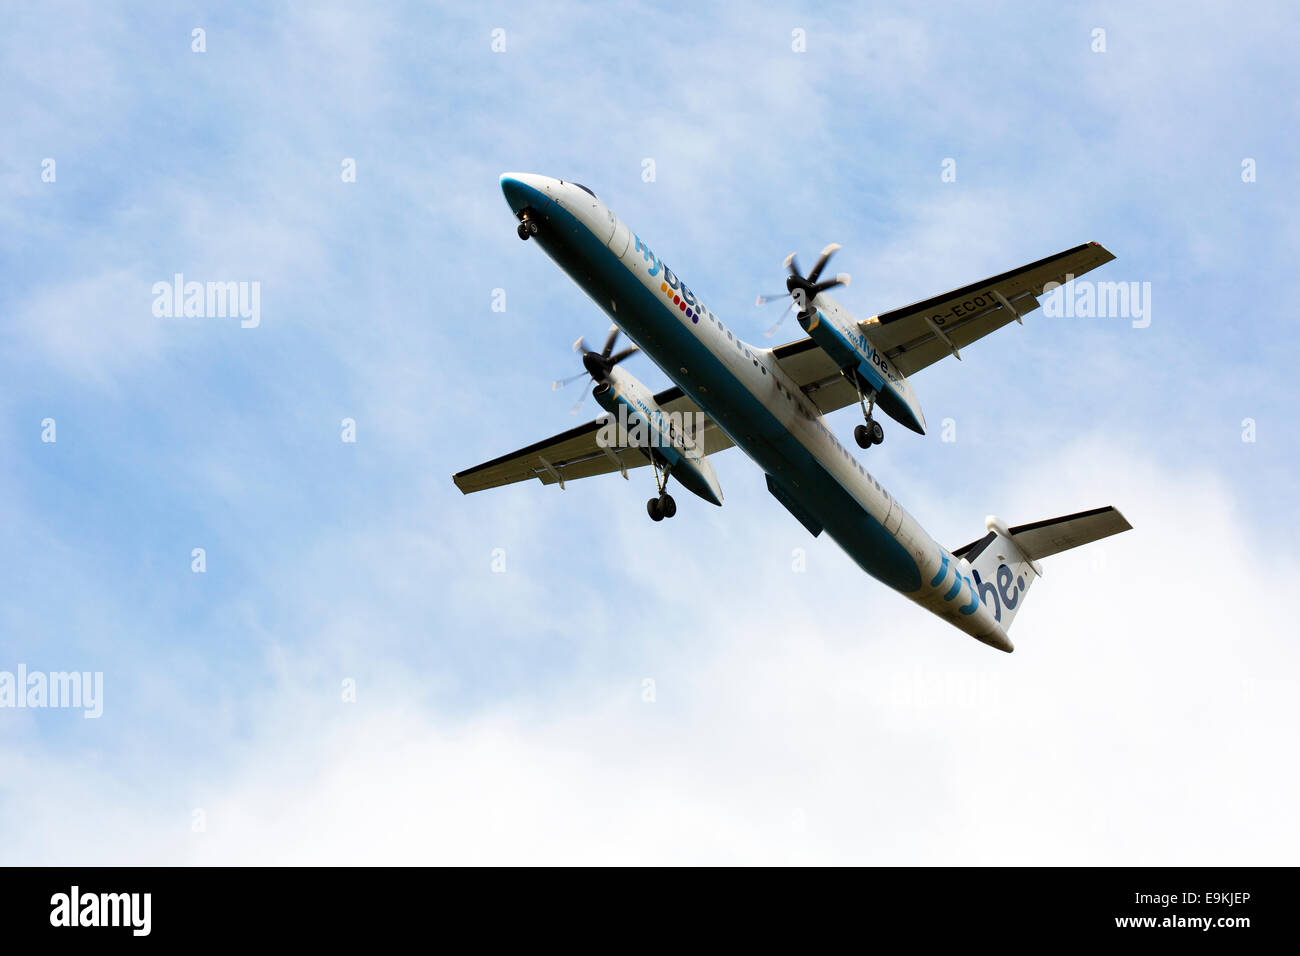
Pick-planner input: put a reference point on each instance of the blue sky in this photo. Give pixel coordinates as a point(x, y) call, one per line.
point(500, 716)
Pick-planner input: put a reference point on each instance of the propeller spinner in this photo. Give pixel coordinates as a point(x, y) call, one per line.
point(596, 364)
point(803, 289)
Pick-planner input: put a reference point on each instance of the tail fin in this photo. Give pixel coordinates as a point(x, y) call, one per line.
point(1005, 561)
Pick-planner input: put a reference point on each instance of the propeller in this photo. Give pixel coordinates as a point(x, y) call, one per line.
point(598, 365)
point(803, 289)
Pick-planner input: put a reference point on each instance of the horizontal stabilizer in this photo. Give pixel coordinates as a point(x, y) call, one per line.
point(1042, 539)
point(1004, 563)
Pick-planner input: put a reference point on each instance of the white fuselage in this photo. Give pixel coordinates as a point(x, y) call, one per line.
point(743, 389)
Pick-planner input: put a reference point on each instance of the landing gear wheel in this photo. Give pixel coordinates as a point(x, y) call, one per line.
point(877, 433)
point(862, 436)
point(662, 506)
point(533, 228)
point(522, 230)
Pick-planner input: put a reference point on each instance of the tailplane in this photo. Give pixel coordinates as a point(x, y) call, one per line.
point(1004, 563)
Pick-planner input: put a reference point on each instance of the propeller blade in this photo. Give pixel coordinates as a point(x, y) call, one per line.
point(792, 264)
point(822, 260)
point(578, 404)
point(580, 345)
point(765, 299)
point(609, 342)
point(619, 356)
point(841, 279)
point(559, 383)
point(776, 325)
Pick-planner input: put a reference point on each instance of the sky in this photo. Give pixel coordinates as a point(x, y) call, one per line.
point(373, 668)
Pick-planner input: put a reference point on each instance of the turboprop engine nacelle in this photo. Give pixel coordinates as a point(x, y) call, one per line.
point(674, 439)
point(837, 333)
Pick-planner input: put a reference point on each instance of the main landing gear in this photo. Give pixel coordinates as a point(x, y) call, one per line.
point(663, 506)
point(870, 433)
point(527, 225)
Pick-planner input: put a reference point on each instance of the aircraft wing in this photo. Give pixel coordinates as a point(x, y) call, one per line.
point(921, 334)
point(576, 454)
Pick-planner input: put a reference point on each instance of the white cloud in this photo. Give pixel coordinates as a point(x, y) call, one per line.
point(91, 328)
point(816, 719)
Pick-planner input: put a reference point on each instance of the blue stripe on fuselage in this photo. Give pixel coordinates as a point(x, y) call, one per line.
point(658, 329)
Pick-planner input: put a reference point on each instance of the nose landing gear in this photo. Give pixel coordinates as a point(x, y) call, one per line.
point(527, 225)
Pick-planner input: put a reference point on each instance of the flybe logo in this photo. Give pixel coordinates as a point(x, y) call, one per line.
point(672, 288)
point(844, 337)
point(958, 580)
point(871, 354)
point(858, 342)
point(1006, 592)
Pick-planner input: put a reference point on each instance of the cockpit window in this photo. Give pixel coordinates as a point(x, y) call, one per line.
point(586, 190)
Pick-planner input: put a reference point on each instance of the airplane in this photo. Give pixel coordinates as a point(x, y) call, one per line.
point(770, 402)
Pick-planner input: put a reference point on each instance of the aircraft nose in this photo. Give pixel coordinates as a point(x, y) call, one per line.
point(524, 189)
